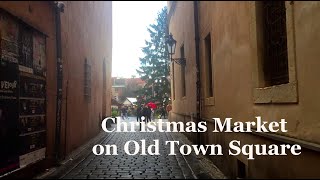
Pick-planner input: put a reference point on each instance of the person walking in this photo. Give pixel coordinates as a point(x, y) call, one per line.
point(127, 111)
point(149, 113)
point(123, 112)
point(139, 113)
point(163, 112)
point(145, 113)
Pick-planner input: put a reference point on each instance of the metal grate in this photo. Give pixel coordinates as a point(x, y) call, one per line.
point(209, 66)
point(275, 39)
point(87, 80)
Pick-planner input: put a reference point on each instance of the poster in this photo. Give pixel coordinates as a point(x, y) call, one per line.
point(32, 124)
point(31, 142)
point(9, 30)
point(9, 114)
point(32, 106)
point(39, 54)
point(22, 94)
point(32, 87)
point(26, 48)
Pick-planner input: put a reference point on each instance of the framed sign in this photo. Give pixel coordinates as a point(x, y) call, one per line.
point(9, 29)
point(39, 54)
point(26, 48)
point(22, 93)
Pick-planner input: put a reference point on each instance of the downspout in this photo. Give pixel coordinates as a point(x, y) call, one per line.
point(198, 85)
point(59, 7)
point(66, 120)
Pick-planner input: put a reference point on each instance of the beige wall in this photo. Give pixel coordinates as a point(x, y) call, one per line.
point(233, 68)
point(86, 33)
point(182, 29)
point(234, 59)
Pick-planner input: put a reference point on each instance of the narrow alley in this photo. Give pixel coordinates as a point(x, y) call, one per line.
point(229, 88)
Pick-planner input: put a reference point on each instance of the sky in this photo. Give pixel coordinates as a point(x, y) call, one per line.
point(129, 32)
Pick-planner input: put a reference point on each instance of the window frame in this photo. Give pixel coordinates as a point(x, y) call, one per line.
point(87, 80)
point(208, 65)
point(283, 93)
point(208, 101)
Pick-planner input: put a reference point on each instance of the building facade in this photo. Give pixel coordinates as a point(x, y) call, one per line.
point(29, 76)
point(256, 59)
point(125, 87)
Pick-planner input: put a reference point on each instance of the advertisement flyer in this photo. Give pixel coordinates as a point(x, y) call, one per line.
point(9, 115)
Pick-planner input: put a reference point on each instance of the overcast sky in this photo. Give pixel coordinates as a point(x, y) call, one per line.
point(129, 28)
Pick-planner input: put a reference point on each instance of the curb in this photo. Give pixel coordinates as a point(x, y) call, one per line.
point(190, 167)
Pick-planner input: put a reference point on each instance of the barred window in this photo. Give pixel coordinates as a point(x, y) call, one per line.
point(208, 65)
point(87, 80)
point(275, 61)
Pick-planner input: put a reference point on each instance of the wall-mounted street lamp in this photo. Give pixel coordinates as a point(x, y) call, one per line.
point(171, 43)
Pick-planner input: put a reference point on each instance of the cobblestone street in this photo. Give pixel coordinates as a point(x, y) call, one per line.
point(133, 167)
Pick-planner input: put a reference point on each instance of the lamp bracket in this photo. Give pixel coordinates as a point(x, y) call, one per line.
point(180, 61)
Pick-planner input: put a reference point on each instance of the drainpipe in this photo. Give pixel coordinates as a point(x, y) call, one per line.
point(59, 7)
point(198, 85)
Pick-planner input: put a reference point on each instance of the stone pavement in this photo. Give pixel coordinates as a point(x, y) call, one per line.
point(86, 165)
point(123, 166)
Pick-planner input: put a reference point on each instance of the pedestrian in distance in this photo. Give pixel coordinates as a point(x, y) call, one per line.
point(145, 113)
point(149, 113)
point(123, 112)
point(139, 113)
point(163, 112)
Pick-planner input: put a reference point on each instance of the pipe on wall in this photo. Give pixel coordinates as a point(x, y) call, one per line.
point(59, 7)
point(198, 83)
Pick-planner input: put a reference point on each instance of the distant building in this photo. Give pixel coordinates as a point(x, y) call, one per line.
point(125, 87)
point(130, 102)
point(115, 104)
point(117, 91)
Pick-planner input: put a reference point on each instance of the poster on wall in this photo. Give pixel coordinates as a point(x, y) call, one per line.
point(31, 142)
point(32, 106)
point(9, 115)
point(32, 87)
point(39, 54)
point(22, 94)
point(9, 31)
point(32, 124)
point(26, 49)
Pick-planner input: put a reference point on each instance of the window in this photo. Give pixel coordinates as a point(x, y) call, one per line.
point(275, 53)
point(208, 66)
point(183, 74)
point(87, 80)
point(272, 36)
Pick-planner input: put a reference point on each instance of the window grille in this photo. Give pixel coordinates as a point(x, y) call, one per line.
point(87, 80)
point(275, 42)
point(209, 66)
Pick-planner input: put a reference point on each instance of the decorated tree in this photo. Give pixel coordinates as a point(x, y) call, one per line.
point(154, 66)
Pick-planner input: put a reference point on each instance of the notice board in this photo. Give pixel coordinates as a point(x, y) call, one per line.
point(22, 94)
